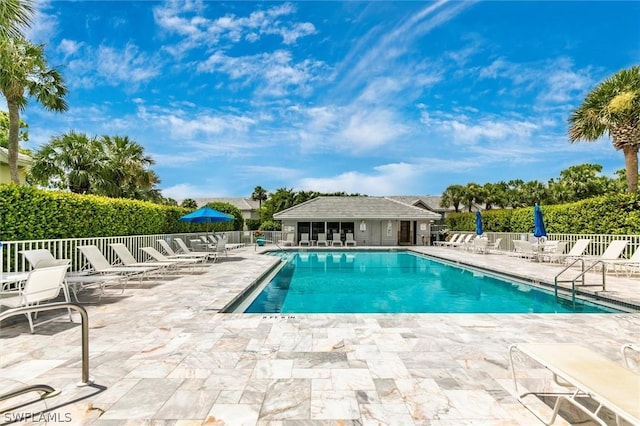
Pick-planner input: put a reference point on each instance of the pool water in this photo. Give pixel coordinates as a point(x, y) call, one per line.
point(397, 282)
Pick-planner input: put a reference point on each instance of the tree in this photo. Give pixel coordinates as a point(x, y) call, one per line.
point(24, 73)
point(452, 196)
point(14, 16)
point(259, 194)
point(70, 161)
point(473, 193)
point(126, 173)
point(613, 107)
point(189, 203)
point(4, 132)
point(581, 182)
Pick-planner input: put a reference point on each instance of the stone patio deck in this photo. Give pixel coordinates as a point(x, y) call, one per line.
point(167, 356)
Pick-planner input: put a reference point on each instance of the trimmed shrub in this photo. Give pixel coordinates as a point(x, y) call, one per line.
point(610, 214)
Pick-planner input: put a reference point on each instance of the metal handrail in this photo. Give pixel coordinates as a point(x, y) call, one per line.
point(581, 277)
point(84, 326)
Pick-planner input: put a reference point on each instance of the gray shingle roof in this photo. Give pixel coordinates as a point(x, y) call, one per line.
point(241, 203)
point(355, 208)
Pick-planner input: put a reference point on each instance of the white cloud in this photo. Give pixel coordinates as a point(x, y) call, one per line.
point(371, 129)
point(69, 47)
point(44, 26)
point(383, 180)
point(187, 190)
point(188, 21)
point(275, 73)
point(125, 65)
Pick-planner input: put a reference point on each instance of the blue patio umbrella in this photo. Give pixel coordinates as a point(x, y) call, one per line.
point(478, 223)
point(538, 223)
point(206, 215)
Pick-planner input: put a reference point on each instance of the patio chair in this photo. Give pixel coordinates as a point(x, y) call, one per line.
point(170, 254)
point(183, 249)
point(453, 239)
point(227, 244)
point(42, 284)
point(463, 241)
point(629, 266)
point(322, 240)
point(495, 247)
point(480, 245)
point(525, 250)
point(161, 258)
point(42, 258)
point(304, 239)
point(100, 265)
point(612, 252)
point(349, 241)
point(127, 259)
point(336, 241)
point(588, 375)
point(575, 252)
point(288, 241)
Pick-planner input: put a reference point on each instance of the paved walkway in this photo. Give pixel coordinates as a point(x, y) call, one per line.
point(167, 356)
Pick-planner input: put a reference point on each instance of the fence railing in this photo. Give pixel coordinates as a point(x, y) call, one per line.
point(597, 246)
point(11, 260)
point(67, 248)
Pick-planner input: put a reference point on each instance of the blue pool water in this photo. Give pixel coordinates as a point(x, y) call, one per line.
point(396, 282)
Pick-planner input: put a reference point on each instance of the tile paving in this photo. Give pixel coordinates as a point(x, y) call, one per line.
point(167, 356)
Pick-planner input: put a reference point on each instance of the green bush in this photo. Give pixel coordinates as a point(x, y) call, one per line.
point(253, 224)
point(28, 213)
point(270, 225)
point(610, 214)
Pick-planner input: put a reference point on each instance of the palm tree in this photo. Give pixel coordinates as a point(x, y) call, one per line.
point(24, 72)
point(613, 107)
point(70, 161)
point(126, 172)
point(14, 16)
point(452, 196)
point(259, 195)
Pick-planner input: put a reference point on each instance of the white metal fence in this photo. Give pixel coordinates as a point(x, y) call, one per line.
point(67, 248)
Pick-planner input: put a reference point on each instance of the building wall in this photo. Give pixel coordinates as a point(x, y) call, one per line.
point(5, 175)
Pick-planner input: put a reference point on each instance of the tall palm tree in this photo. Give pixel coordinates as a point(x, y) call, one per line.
point(259, 195)
point(70, 161)
point(24, 72)
point(452, 196)
point(14, 16)
point(613, 107)
point(126, 171)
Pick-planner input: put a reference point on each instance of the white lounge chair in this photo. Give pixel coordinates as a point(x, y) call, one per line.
point(453, 239)
point(288, 241)
point(170, 254)
point(127, 259)
point(588, 375)
point(100, 265)
point(612, 252)
point(576, 251)
point(335, 240)
point(322, 240)
point(42, 258)
point(629, 266)
point(349, 241)
point(463, 242)
point(304, 239)
point(42, 284)
point(525, 250)
point(183, 249)
point(161, 258)
point(495, 246)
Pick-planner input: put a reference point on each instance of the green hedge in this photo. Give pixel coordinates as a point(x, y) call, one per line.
point(611, 214)
point(28, 213)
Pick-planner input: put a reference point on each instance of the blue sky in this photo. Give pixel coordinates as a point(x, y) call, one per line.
point(380, 98)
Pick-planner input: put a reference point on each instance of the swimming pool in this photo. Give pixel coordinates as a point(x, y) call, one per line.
point(396, 282)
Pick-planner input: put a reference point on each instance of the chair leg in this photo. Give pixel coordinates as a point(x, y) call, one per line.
point(30, 322)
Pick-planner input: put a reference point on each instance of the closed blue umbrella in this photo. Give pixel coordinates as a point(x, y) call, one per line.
point(478, 223)
point(538, 223)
